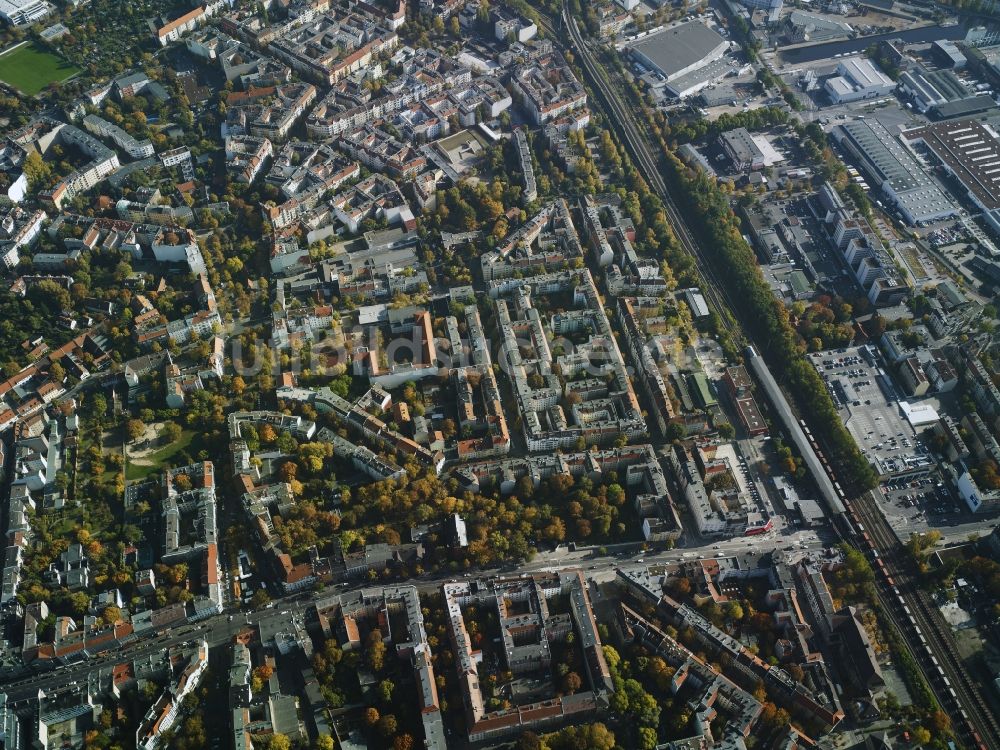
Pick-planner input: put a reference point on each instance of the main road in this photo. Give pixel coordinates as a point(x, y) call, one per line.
point(955, 689)
point(220, 629)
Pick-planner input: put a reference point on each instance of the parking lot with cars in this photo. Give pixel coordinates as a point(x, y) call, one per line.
point(915, 505)
point(869, 405)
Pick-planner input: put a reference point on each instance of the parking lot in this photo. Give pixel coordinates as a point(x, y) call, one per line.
point(925, 496)
point(916, 505)
point(868, 404)
point(741, 473)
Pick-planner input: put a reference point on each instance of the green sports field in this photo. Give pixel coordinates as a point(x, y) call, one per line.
point(30, 68)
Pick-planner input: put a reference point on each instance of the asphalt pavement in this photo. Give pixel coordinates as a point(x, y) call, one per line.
point(220, 629)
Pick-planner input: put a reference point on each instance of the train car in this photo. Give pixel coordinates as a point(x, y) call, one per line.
point(951, 692)
point(892, 584)
point(906, 609)
point(934, 661)
point(946, 681)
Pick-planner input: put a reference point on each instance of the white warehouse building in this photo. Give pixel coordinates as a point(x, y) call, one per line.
point(858, 78)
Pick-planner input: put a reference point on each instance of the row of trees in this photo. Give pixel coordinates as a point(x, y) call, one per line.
point(853, 583)
point(933, 721)
point(766, 318)
point(685, 131)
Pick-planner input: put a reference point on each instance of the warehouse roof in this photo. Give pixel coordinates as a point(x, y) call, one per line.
point(679, 47)
point(885, 155)
point(863, 72)
point(890, 164)
point(971, 151)
point(972, 105)
point(741, 145)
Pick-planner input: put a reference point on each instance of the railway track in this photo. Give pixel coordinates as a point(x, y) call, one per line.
point(907, 606)
point(650, 166)
point(915, 615)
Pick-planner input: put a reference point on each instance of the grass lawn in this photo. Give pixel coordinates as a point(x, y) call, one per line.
point(153, 462)
point(30, 68)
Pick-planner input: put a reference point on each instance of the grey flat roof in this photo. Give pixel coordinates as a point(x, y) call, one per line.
point(715, 69)
point(964, 107)
point(885, 155)
point(888, 162)
point(741, 143)
point(678, 47)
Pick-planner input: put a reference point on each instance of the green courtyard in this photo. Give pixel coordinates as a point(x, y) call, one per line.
point(143, 463)
point(29, 68)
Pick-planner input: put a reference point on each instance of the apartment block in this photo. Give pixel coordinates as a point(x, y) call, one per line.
point(136, 149)
point(548, 88)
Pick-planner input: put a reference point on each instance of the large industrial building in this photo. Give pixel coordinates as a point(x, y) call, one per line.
point(741, 149)
point(858, 78)
point(970, 151)
point(688, 56)
point(895, 170)
point(748, 151)
point(799, 26)
point(24, 12)
point(932, 88)
point(947, 53)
